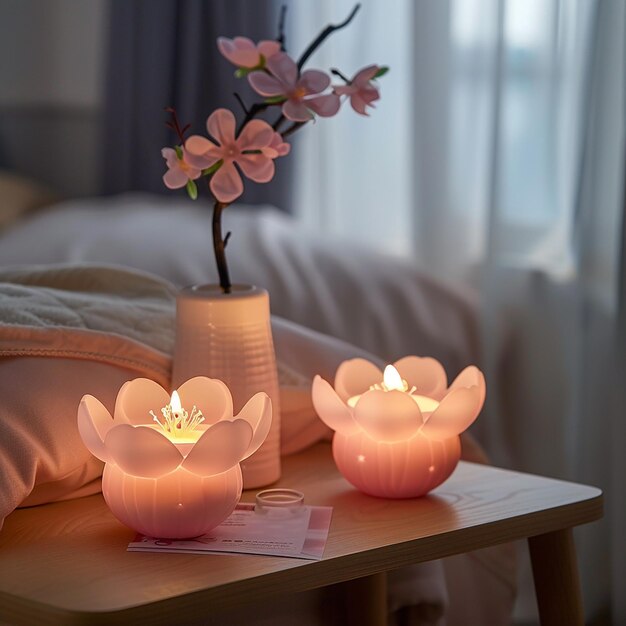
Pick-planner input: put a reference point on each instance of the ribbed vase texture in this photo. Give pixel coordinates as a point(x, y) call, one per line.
point(229, 337)
point(179, 505)
point(402, 469)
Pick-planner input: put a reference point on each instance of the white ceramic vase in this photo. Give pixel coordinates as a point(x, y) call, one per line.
point(229, 337)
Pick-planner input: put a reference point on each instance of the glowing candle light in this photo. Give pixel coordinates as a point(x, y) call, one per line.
point(392, 381)
point(397, 433)
point(177, 475)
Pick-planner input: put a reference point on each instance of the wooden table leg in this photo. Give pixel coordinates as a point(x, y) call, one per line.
point(365, 600)
point(557, 584)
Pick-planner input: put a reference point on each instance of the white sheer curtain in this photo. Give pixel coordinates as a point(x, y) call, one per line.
point(495, 159)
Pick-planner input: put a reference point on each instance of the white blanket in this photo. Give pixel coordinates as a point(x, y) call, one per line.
point(381, 304)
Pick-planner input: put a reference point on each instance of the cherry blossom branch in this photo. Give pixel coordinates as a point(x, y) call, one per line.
point(259, 107)
point(319, 40)
point(219, 241)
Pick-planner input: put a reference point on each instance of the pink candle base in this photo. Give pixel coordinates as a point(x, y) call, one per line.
point(401, 469)
point(179, 505)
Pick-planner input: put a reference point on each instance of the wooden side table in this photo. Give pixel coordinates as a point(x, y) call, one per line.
point(66, 563)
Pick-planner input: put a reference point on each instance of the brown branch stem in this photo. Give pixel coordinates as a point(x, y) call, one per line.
point(241, 102)
point(293, 128)
point(281, 27)
point(343, 77)
point(219, 246)
point(280, 120)
point(253, 111)
point(319, 40)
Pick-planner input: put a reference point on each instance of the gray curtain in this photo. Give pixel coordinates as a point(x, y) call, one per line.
point(163, 53)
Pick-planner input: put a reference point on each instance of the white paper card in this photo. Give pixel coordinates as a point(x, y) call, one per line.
point(301, 535)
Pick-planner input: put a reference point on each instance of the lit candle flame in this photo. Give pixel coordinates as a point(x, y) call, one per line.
point(175, 403)
point(392, 379)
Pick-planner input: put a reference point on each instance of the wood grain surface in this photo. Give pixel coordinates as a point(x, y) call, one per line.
point(66, 563)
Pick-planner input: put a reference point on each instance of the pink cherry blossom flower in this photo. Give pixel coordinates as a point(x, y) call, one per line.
point(248, 151)
point(361, 91)
point(303, 94)
point(242, 52)
point(277, 148)
point(182, 170)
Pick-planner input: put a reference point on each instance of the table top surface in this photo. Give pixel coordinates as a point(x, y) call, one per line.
point(67, 562)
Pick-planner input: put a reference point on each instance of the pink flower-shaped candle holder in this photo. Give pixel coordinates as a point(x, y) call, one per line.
point(397, 433)
point(172, 464)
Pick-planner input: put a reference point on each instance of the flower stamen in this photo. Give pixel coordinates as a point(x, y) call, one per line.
point(176, 421)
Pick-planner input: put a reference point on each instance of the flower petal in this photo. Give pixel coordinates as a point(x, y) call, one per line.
point(199, 162)
point(209, 395)
point(425, 374)
point(455, 413)
point(255, 135)
point(240, 51)
point(175, 178)
point(344, 90)
point(324, 106)
point(388, 415)
point(369, 95)
point(243, 43)
point(282, 147)
point(266, 85)
point(198, 145)
point(314, 81)
point(355, 377)
point(170, 156)
point(221, 447)
point(257, 167)
point(221, 126)
point(137, 398)
point(296, 111)
point(258, 413)
point(358, 104)
point(284, 68)
point(268, 48)
point(277, 147)
point(363, 77)
point(94, 422)
point(226, 183)
point(142, 451)
point(331, 409)
point(469, 377)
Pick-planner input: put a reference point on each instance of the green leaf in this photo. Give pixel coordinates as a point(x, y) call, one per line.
point(179, 152)
point(242, 72)
point(211, 170)
point(275, 100)
point(192, 189)
point(381, 71)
